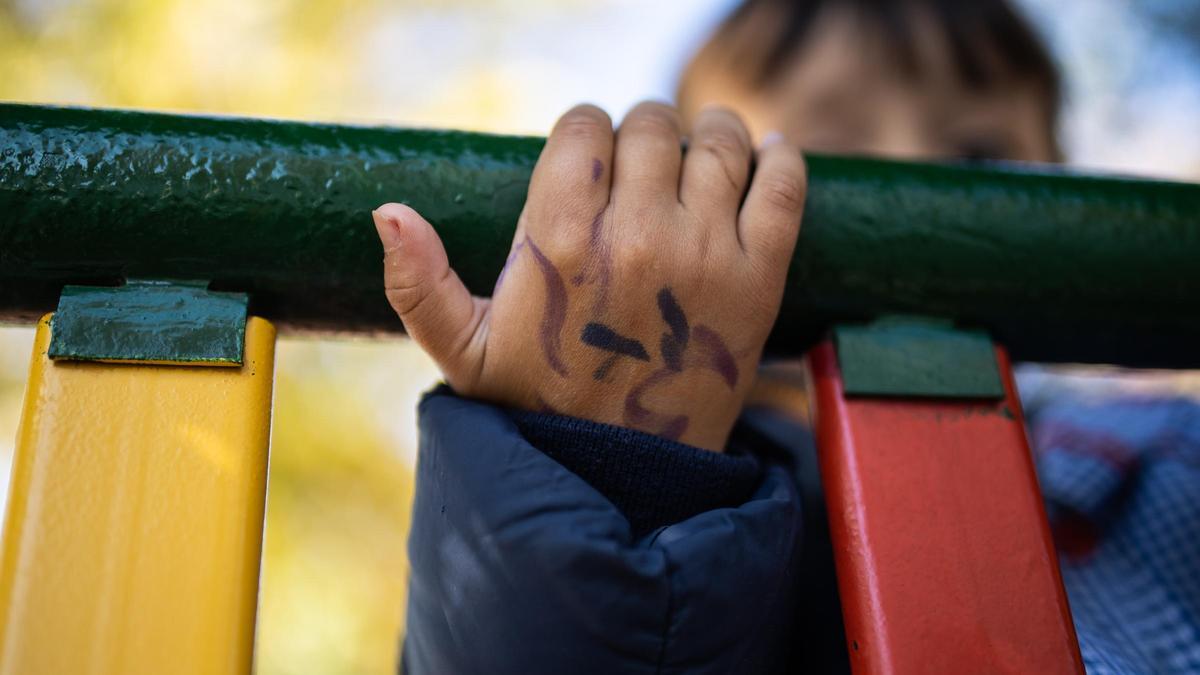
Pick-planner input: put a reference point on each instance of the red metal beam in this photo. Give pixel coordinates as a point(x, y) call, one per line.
point(944, 557)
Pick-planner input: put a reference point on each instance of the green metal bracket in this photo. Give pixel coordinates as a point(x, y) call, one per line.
point(919, 357)
point(150, 321)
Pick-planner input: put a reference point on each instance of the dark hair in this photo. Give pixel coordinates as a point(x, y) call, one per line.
point(988, 40)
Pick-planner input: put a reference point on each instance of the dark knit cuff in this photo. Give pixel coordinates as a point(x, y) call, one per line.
point(651, 480)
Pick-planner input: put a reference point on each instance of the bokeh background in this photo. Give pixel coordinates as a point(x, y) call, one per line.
point(344, 442)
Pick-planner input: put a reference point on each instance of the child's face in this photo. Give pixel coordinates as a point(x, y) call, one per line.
point(846, 93)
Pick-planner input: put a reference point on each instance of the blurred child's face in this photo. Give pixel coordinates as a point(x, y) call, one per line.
point(845, 93)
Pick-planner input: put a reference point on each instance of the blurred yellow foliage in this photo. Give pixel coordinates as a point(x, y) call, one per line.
point(311, 59)
point(340, 490)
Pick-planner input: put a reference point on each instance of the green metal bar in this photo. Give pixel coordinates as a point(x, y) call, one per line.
point(1058, 267)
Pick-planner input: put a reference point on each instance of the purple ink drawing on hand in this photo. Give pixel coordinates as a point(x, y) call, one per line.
point(673, 345)
point(601, 336)
point(673, 315)
point(714, 355)
point(598, 268)
point(555, 314)
point(710, 353)
point(637, 415)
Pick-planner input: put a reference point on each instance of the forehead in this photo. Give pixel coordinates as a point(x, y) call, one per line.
point(854, 76)
point(856, 53)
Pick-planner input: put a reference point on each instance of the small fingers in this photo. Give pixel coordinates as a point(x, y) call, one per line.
point(770, 218)
point(717, 165)
point(648, 154)
point(570, 183)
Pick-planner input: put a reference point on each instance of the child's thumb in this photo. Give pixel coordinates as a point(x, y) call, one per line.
point(436, 308)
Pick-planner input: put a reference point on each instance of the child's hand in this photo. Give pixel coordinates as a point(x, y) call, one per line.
point(640, 288)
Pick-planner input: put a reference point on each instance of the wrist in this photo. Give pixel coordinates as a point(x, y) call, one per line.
point(703, 419)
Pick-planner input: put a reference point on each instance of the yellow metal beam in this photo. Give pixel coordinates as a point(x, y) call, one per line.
point(134, 525)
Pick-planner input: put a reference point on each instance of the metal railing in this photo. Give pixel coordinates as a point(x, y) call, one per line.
point(1059, 267)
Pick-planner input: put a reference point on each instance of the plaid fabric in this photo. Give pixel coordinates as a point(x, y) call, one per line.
point(1121, 478)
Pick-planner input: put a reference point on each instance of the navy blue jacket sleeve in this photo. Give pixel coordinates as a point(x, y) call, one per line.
point(520, 565)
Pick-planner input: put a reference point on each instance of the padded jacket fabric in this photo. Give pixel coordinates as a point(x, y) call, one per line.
point(538, 546)
point(545, 544)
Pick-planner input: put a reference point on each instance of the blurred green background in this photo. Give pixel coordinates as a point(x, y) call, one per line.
point(344, 441)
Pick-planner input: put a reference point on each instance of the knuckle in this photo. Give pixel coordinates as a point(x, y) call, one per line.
point(406, 294)
point(654, 118)
point(730, 156)
point(405, 300)
point(584, 122)
point(726, 144)
point(784, 192)
point(635, 253)
point(639, 253)
point(718, 117)
point(565, 249)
